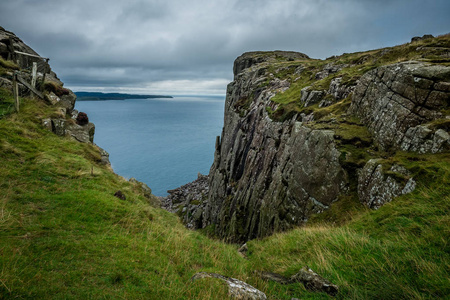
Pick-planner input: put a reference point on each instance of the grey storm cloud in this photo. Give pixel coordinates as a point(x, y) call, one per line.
point(179, 46)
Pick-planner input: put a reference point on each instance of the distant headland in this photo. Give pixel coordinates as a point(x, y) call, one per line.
point(98, 96)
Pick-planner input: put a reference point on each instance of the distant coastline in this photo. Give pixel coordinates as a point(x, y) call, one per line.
point(98, 96)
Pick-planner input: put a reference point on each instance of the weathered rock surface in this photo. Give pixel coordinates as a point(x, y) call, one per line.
point(236, 288)
point(394, 99)
point(310, 279)
point(267, 176)
point(377, 186)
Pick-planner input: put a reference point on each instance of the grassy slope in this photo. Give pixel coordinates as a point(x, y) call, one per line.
point(64, 235)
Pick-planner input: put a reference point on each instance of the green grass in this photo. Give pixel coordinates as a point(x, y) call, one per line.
point(63, 235)
point(354, 66)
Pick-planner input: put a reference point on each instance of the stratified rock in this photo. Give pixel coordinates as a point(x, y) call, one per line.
point(377, 186)
point(236, 288)
point(391, 100)
point(267, 176)
point(422, 139)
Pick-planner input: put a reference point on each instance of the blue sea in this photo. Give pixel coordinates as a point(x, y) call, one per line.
point(162, 142)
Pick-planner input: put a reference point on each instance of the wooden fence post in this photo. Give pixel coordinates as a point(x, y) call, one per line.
point(34, 74)
point(16, 92)
point(33, 77)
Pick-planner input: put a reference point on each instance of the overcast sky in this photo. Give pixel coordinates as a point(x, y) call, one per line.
point(188, 46)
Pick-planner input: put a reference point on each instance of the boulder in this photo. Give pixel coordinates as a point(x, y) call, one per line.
point(377, 186)
point(52, 98)
point(81, 133)
point(310, 279)
point(236, 288)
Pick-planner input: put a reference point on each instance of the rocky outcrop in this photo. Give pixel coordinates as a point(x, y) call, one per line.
point(392, 101)
point(310, 279)
point(377, 186)
point(189, 201)
point(63, 127)
point(267, 176)
point(282, 159)
point(63, 121)
point(249, 59)
point(236, 288)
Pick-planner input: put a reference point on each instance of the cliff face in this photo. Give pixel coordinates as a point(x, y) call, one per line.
point(300, 133)
point(259, 182)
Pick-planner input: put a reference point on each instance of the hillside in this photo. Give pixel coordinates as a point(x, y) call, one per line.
point(63, 233)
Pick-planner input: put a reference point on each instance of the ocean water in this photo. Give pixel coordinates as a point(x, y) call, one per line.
point(162, 142)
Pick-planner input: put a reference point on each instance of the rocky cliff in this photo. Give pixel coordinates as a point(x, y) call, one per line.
point(18, 58)
point(299, 134)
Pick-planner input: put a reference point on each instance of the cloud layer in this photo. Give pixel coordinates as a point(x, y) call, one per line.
point(188, 47)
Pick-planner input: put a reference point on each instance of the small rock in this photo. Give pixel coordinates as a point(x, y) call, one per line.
point(52, 98)
point(243, 250)
point(236, 288)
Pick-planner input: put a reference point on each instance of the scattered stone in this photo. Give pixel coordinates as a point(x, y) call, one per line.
point(310, 279)
point(236, 288)
point(243, 250)
point(314, 282)
point(120, 195)
point(47, 124)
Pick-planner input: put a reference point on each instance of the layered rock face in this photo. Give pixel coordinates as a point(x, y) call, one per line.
point(394, 101)
point(281, 159)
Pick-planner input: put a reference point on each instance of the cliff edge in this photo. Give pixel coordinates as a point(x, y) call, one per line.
point(301, 135)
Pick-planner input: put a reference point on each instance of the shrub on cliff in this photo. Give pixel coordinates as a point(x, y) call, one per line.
point(82, 119)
